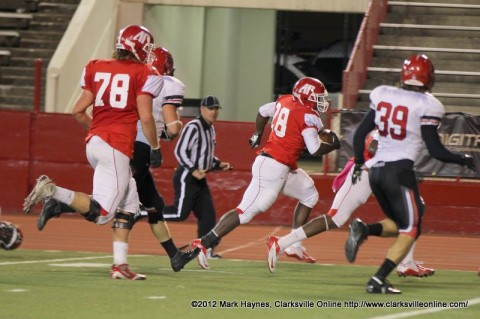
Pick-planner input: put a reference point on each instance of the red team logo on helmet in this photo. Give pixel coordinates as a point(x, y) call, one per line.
point(163, 61)
point(311, 93)
point(137, 40)
point(418, 70)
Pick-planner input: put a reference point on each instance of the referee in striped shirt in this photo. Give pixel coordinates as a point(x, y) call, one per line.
point(195, 153)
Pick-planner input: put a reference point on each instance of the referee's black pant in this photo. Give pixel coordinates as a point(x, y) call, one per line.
point(194, 195)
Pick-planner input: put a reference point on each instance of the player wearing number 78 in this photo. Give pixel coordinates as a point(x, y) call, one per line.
point(406, 118)
point(120, 91)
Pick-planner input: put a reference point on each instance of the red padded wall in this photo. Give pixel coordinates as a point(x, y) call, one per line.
point(53, 144)
point(14, 156)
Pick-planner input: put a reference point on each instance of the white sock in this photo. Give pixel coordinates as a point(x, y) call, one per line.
point(295, 236)
point(64, 195)
point(409, 257)
point(120, 250)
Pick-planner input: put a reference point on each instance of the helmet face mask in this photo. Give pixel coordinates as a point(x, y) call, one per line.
point(418, 71)
point(311, 93)
point(163, 61)
point(139, 41)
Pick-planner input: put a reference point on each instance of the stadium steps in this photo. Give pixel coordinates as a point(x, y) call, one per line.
point(29, 29)
point(445, 30)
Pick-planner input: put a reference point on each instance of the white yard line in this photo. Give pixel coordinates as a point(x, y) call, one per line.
point(7, 263)
point(252, 243)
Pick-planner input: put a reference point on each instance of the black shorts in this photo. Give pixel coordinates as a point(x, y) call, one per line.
point(395, 186)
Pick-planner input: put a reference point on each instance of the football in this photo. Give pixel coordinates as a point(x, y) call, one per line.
point(326, 136)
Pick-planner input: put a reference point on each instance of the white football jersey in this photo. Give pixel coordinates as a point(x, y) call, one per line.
point(173, 92)
point(399, 115)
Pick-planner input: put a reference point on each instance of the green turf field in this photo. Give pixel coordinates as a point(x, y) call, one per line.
point(70, 285)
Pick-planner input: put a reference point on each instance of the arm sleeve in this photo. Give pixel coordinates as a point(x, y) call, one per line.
point(366, 126)
point(312, 141)
point(267, 110)
point(435, 147)
point(174, 91)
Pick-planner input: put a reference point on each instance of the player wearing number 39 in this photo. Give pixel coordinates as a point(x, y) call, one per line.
point(296, 125)
point(406, 118)
point(121, 91)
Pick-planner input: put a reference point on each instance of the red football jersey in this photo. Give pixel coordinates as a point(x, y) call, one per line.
point(115, 85)
point(285, 143)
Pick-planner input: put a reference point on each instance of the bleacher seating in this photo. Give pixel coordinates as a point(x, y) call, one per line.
point(29, 29)
point(445, 30)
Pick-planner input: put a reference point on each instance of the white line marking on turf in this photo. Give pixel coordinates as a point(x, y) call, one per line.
point(63, 260)
point(16, 290)
point(252, 243)
point(157, 297)
point(471, 302)
point(51, 260)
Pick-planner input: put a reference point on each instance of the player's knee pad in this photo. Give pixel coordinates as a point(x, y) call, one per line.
point(154, 217)
point(311, 197)
point(94, 212)
point(123, 220)
point(159, 204)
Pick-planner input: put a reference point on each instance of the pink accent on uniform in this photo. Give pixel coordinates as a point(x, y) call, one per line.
point(239, 211)
point(340, 179)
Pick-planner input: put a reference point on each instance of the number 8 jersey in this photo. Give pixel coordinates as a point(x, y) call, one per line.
point(399, 115)
point(115, 85)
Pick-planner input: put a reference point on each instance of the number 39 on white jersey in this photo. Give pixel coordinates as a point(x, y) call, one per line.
point(399, 115)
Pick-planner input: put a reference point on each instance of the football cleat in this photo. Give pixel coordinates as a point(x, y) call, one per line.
point(273, 252)
point(202, 255)
point(300, 253)
point(376, 286)
point(182, 258)
point(43, 190)
point(123, 272)
point(212, 255)
point(51, 208)
point(414, 269)
point(357, 234)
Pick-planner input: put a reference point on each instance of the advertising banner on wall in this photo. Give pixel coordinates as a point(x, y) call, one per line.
point(459, 132)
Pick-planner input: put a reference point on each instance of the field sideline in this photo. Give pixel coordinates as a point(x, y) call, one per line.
point(62, 272)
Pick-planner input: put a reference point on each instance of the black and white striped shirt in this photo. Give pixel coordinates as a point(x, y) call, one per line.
point(196, 146)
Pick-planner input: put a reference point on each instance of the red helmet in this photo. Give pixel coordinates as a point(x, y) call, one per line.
point(163, 61)
point(137, 40)
point(418, 71)
point(311, 93)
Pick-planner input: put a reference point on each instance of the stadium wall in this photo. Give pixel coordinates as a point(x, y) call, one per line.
point(33, 144)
